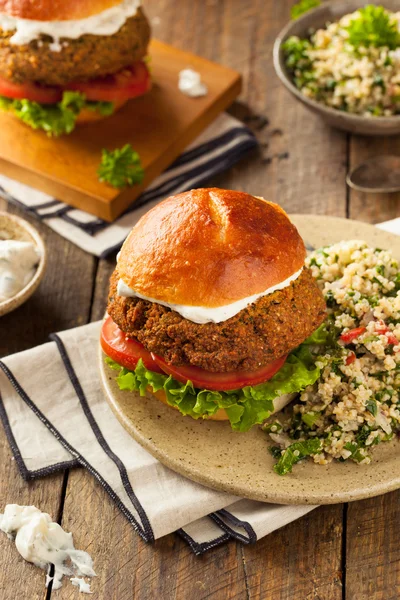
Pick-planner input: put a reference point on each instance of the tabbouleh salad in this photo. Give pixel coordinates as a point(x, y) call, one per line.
point(355, 403)
point(352, 65)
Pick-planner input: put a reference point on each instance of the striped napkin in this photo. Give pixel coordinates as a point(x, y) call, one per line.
point(55, 417)
point(219, 147)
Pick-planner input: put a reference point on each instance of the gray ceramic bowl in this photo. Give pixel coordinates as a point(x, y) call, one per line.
point(315, 19)
point(19, 229)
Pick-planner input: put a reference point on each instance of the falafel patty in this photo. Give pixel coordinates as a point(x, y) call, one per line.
point(256, 336)
point(82, 59)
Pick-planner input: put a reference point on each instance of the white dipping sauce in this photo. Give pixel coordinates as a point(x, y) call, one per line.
point(190, 83)
point(205, 314)
point(42, 542)
point(107, 22)
point(18, 262)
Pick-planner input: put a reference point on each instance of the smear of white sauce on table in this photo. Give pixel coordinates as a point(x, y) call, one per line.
point(43, 542)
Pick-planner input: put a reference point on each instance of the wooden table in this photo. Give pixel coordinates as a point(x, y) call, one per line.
point(336, 552)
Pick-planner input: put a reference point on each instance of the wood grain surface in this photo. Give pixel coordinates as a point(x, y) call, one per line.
point(340, 552)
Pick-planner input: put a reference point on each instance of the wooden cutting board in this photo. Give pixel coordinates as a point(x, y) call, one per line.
point(158, 125)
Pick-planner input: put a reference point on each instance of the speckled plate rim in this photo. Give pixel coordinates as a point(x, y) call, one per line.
point(210, 453)
point(26, 292)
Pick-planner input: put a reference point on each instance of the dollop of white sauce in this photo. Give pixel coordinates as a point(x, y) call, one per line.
point(107, 22)
point(190, 83)
point(42, 542)
point(205, 314)
point(18, 262)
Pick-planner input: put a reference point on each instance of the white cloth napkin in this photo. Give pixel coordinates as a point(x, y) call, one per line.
point(219, 147)
point(55, 416)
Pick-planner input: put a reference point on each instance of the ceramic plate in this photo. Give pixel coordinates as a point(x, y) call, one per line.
point(210, 453)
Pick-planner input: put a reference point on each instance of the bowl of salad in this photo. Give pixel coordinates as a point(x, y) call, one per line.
point(342, 61)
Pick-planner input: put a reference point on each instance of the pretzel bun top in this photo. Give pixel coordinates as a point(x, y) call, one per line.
point(210, 247)
point(55, 10)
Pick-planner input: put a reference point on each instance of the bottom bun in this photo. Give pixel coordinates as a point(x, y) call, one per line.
point(88, 116)
point(220, 415)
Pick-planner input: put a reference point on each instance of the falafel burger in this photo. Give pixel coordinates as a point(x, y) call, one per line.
point(212, 310)
point(67, 62)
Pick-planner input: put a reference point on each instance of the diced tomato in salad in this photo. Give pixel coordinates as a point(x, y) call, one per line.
point(392, 339)
point(383, 329)
point(351, 357)
point(380, 328)
point(352, 334)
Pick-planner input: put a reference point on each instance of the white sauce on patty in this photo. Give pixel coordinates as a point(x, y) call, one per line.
point(42, 542)
point(107, 22)
point(205, 314)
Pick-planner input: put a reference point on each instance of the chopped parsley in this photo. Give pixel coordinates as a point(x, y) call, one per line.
point(373, 26)
point(295, 453)
point(120, 167)
point(310, 418)
point(372, 407)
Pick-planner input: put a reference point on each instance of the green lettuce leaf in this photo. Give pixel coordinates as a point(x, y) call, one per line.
point(54, 119)
point(245, 407)
point(323, 336)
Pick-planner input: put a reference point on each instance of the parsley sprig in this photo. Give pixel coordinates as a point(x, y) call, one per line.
point(302, 7)
point(373, 26)
point(120, 167)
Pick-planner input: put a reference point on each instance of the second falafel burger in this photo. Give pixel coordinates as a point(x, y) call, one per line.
point(64, 62)
point(212, 310)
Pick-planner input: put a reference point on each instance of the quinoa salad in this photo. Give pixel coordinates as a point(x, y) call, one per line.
point(355, 403)
point(352, 65)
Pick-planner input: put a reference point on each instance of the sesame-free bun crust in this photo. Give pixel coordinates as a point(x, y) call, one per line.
point(55, 10)
point(210, 247)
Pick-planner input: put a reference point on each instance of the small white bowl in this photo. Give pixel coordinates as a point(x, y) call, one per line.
point(19, 229)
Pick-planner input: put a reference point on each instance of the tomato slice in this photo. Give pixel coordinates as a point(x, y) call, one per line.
point(125, 351)
point(220, 381)
point(128, 83)
point(30, 91)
